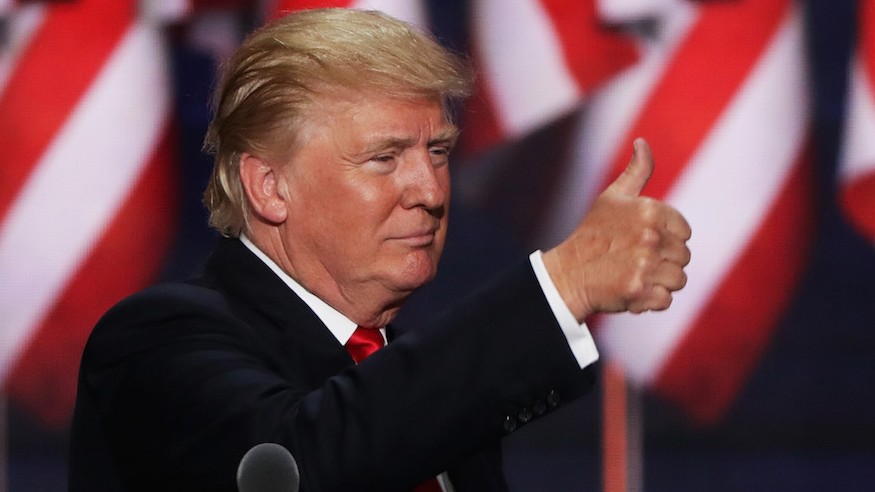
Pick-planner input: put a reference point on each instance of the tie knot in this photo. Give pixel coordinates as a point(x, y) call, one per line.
point(364, 342)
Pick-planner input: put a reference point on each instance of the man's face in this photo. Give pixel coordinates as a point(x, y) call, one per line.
point(369, 189)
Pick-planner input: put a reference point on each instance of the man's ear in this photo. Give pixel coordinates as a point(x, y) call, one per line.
point(260, 183)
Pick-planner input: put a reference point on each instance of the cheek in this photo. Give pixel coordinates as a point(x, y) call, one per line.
point(366, 195)
point(343, 196)
point(368, 202)
point(355, 218)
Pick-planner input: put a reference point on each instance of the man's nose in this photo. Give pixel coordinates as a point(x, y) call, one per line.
point(424, 185)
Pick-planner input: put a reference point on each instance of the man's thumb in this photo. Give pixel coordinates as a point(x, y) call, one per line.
point(636, 174)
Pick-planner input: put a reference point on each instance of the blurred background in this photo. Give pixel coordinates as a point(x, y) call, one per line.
point(761, 116)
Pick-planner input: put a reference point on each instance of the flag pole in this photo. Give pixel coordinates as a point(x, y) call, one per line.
point(622, 432)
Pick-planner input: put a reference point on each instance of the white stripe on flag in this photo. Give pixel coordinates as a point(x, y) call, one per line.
point(162, 11)
point(6, 6)
point(625, 11)
point(79, 183)
point(412, 11)
point(526, 75)
point(859, 140)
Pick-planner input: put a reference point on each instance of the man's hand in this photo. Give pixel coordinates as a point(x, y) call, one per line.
point(629, 251)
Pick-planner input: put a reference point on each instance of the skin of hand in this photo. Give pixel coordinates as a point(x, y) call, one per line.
point(627, 254)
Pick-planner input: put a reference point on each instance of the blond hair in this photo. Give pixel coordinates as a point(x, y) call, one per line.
point(261, 100)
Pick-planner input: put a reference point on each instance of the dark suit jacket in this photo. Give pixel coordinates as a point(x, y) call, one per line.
point(179, 381)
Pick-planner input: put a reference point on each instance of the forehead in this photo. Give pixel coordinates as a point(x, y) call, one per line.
point(365, 110)
point(351, 124)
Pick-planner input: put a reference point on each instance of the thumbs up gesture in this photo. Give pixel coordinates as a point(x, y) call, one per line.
point(627, 254)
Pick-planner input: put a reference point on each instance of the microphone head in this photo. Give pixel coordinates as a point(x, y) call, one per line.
point(268, 467)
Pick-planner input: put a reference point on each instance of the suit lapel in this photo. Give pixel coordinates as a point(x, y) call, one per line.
point(303, 348)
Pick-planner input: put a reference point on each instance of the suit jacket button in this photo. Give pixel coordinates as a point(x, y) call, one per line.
point(509, 424)
point(539, 407)
point(525, 415)
point(553, 398)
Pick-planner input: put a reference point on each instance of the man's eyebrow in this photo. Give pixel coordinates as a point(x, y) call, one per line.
point(389, 143)
point(447, 135)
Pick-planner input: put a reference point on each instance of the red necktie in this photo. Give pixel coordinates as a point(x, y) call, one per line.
point(362, 343)
point(430, 485)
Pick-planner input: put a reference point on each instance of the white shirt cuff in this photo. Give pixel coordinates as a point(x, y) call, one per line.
point(579, 338)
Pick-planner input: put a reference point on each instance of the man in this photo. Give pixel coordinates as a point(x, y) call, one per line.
point(331, 184)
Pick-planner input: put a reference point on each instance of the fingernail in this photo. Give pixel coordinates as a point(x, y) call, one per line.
point(637, 144)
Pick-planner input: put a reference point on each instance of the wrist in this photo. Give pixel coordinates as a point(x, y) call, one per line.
point(571, 292)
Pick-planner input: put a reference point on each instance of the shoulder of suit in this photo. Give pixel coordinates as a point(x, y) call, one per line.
point(164, 314)
point(167, 299)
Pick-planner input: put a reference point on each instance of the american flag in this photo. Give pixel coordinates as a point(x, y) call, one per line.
point(51, 295)
point(739, 177)
point(720, 91)
point(721, 95)
point(857, 170)
point(87, 190)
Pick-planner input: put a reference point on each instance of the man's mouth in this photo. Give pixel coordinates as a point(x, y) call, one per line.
point(419, 238)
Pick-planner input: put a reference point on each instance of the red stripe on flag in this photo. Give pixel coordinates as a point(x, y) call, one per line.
point(593, 53)
point(723, 346)
point(285, 6)
point(126, 259)
point(857, 167)
point(858, 197)
point(858, 193)
point(44, 90)
point(672, 129)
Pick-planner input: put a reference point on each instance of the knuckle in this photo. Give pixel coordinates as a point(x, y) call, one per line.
point(640, 267)
point(646, 262)
point(650, 211)
point(649, 236)
point(634, 288)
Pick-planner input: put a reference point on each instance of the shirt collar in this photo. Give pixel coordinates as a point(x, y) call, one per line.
point(339, 325)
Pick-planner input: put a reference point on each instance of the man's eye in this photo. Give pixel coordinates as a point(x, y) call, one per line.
point(441, 151)
point(381, 163)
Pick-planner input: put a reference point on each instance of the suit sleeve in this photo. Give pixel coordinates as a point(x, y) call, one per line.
point(183, 388)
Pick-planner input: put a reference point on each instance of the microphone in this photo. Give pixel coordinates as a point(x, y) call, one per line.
point(268, 467)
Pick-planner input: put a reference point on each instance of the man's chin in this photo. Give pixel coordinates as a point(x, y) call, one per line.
point(411, 284)
point(414, 275)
